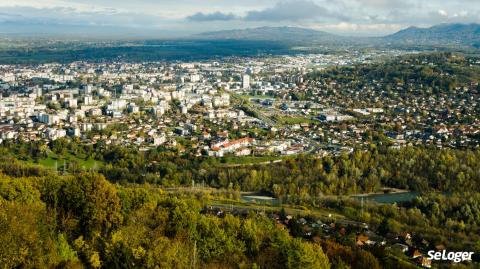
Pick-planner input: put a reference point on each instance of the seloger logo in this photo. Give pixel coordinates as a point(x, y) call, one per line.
point(449, 256)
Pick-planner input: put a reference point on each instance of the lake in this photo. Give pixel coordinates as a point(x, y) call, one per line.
point(261, 200)
point(390, 198)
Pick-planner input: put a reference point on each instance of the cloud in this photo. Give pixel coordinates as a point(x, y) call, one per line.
point(217, 16)
point(283, 11)
point(385, 4)
point(357, 29)
point(442, 12)
point(290, 11)
point(192, 16)
point(72, 16)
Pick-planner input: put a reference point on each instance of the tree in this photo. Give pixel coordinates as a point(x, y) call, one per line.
point(304, 255)
point(388, 226)
point(25, 236)
point(365, 260)
point(93, 201)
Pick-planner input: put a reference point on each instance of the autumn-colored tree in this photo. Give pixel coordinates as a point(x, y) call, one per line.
point(26, 240)
point(92, 201)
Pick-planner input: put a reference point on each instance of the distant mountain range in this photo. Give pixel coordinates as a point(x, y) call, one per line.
point(272, 34)
point(465, 35)
point(443, 34)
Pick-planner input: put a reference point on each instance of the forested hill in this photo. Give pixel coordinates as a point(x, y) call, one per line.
point(81, 220)
point(439, 35)
point(296, 180)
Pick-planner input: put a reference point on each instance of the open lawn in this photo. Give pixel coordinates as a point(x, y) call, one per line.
point(293, 120)
point(55, 161)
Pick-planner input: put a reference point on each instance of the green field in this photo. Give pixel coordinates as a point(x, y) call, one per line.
point(293, 120)
point(55, 161)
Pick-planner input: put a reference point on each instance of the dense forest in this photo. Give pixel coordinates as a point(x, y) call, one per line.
point(300, 179)
point(81, 220)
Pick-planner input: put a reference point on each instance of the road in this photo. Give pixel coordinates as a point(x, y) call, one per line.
point(324, 216)
point(311, 145)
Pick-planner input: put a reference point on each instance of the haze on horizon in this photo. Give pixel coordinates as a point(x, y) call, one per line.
point(169, 18)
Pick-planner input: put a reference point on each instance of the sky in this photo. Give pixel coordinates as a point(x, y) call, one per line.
point(185, 17)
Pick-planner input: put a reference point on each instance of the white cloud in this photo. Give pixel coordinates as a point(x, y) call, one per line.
point(357, 29)
point(299, 10)
point(442, 12)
